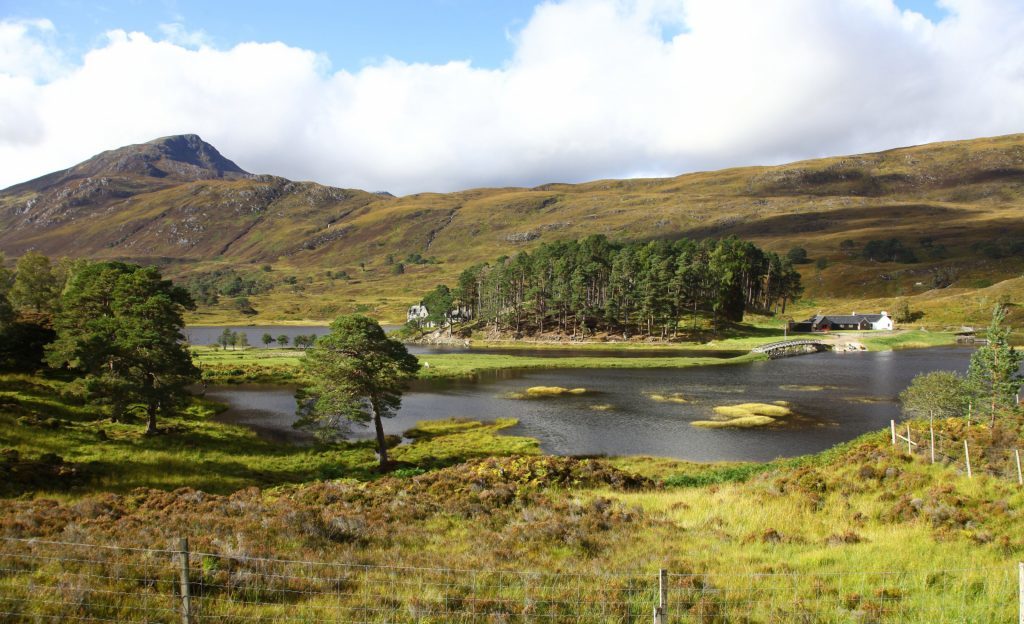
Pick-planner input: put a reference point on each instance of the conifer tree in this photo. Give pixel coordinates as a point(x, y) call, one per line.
point(35, 283)
point(358, 374)
point(120, 326)
point(994, 373)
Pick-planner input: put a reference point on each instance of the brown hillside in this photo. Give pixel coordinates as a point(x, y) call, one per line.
point(179, 203)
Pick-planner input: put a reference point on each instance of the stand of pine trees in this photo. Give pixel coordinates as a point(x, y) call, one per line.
point(594, 285)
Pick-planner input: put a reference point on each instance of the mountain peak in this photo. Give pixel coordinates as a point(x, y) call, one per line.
point(189, 149)
point(180, 156)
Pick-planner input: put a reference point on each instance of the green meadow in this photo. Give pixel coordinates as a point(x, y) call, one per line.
point(466, 496)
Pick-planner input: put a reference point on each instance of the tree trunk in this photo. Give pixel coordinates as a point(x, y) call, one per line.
point(382, 444)
point(151, 405)
point(151, 413)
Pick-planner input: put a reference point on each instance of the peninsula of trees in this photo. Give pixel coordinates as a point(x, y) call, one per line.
point(595, 285)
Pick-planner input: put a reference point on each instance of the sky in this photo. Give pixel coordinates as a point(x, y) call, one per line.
point(440, 95)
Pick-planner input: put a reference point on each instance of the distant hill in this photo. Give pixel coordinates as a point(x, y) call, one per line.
point(178, 202)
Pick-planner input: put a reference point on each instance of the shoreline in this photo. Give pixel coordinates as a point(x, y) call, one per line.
point(283, 366)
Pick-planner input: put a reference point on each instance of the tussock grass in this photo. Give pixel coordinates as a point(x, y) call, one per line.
point(870, 399)
point(746, 415)
point(742, 410)
point(445, 442)
point(552, 391)
point(543, 392)
point(675, 397)
point(740, 422)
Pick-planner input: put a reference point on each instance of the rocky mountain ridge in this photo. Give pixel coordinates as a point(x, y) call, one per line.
point(177, 201)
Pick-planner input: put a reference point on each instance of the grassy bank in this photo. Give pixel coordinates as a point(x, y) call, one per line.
point(249, 365)
point(859, 533)
point(914, 339)
point(54, 444)
point(281, 366)
point(453, 365)
point(859, 529)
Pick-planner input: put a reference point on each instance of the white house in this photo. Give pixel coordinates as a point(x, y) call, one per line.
point(882, 322)
point(417, 313)
point(833, 322)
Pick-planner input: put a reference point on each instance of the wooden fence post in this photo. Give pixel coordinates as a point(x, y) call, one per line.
point(967, 457)
point(892, 427)
point(186, 592)
point(931, 433)
point(661, 611)
point(1020, 476)
point(910, 451)
point(1020, 592)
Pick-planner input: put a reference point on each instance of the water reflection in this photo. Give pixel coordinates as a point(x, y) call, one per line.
point(855, 394)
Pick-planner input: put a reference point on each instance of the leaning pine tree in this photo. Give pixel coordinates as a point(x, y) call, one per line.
point(358, 374)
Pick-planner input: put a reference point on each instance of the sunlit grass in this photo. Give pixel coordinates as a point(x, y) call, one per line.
point(915, 339)
point(195, 451)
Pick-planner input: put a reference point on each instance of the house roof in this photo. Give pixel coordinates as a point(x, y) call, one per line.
point(846, 319)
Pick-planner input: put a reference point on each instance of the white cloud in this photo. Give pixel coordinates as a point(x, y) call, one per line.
point(176, 32)
point(27, 49)
point(594, 89)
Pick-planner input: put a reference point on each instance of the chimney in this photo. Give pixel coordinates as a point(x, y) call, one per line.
point(884, 313)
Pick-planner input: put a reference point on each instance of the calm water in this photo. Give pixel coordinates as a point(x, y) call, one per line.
point(858, 396)
point(202, 335)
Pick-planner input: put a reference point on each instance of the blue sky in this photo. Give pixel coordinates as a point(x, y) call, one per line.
point(442, 95)
point(352, 33)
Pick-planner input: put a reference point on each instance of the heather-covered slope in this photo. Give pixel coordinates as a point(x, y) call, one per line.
point(177, 202)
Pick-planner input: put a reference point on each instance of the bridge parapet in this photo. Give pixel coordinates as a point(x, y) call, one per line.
point(787, 348)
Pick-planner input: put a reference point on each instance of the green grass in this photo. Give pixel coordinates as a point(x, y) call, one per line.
point(824, 521)
point(859, 529)
point(250, 365)
point(736, 473)
point(451, 365)
point(281, 366)
point(444, 442)
point(38, 417)
point(914, 339)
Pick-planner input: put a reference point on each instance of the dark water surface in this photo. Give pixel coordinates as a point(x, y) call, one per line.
point(205, 335)
point(857, 395)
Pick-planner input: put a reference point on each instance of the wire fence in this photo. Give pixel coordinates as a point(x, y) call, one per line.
point(52, 581)
point(966, 454)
